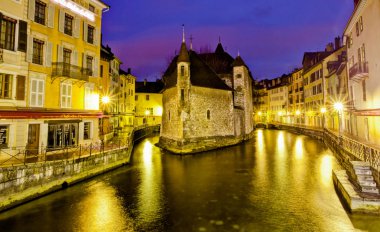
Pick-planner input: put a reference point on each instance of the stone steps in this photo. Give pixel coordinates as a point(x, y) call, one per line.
point(363, 176)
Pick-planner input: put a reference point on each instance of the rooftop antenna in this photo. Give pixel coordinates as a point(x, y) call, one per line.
point(183, 33)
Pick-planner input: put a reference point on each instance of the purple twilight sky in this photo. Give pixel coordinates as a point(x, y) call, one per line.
point(271, 35)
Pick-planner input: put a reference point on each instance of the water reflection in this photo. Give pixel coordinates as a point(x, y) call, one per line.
point(150, 191)
point(102, 210)
point(299, 148)
point(326, 169)
point(277, 181)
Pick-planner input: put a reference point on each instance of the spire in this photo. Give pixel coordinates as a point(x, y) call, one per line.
point(219, 48)
point(219, 39)
point(191, 42)
point(238, 52)
point(238, 61)
point(183, 33)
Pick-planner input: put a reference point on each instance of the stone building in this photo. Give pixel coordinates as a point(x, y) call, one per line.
point(207, 101)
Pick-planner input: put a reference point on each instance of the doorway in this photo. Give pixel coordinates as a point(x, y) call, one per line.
point(33, 140)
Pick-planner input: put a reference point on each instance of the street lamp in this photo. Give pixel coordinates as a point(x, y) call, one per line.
point(105, 99)
point(323, 111)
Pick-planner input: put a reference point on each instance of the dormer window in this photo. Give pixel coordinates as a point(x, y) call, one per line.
point(182, 70)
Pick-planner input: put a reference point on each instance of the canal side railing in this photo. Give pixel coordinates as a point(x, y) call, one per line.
point(349, 148)
point(23, 155)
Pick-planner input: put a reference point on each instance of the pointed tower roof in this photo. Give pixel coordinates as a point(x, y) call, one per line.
point(219, 49)
point(183, 54)
point(238, 62)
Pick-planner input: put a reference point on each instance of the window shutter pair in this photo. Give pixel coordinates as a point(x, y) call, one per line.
point(37, 92)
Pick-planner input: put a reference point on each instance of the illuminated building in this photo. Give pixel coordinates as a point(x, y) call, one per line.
point(364, 85)
point(314, 72)
point(278, 99)
point(127, 99)
point(207, 101)
point(148, 100)
point(295, 88)
point(61, 98)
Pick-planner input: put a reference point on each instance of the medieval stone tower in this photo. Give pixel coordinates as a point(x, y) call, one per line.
point(207, 101)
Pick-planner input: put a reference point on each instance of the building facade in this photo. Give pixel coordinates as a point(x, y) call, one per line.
point(62, 50)
point(207, 101)
point(363, 108)
point(148, 100)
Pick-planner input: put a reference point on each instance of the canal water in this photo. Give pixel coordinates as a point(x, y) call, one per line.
point(278, 181)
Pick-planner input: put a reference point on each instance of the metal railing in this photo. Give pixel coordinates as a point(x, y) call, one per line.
point(61, 69)
point(25, 155)
point(360, 150)
point(359, 69)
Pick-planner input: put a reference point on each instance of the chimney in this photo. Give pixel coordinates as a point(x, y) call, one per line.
point(356, 2)
point(329, 47)
point(337, 43)
point(129, 71)
point(145, 82)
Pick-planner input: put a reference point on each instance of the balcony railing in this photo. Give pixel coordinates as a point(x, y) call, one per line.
point(61, 69)
point(359, 71)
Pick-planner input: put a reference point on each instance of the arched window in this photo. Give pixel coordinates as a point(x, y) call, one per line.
point(208, 114)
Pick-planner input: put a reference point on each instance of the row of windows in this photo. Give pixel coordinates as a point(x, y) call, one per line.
point(147, 97)
point(59, 135)
point(37, 91)
point(44, 15)
point(359, 29)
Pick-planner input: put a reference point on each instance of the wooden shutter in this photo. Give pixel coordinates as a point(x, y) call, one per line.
point(29, 55)
point(48, 54)
point(31, 9)
point(85, 31)
point(33, 92)
point(84, 57)
point(60, 54)
point(95, 67)
point(75, 58)
point(22, 36)
point(61, 26)
point(69, 96)
point(51, 13)
point(20, 93)
point(76, 28)
point(96, 36)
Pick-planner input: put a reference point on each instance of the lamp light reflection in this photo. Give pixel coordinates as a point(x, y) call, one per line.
point(299, 148)
point(326, 169)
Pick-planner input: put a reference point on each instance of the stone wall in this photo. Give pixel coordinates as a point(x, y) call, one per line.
point(22, 183)
point(219, 104)
point(171, 117)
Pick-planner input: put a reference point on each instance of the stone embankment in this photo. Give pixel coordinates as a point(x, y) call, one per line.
point(357, 183)
point(25, 182)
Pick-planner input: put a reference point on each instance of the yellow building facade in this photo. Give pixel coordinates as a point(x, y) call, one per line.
point(61, 94)
point(148, 100)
